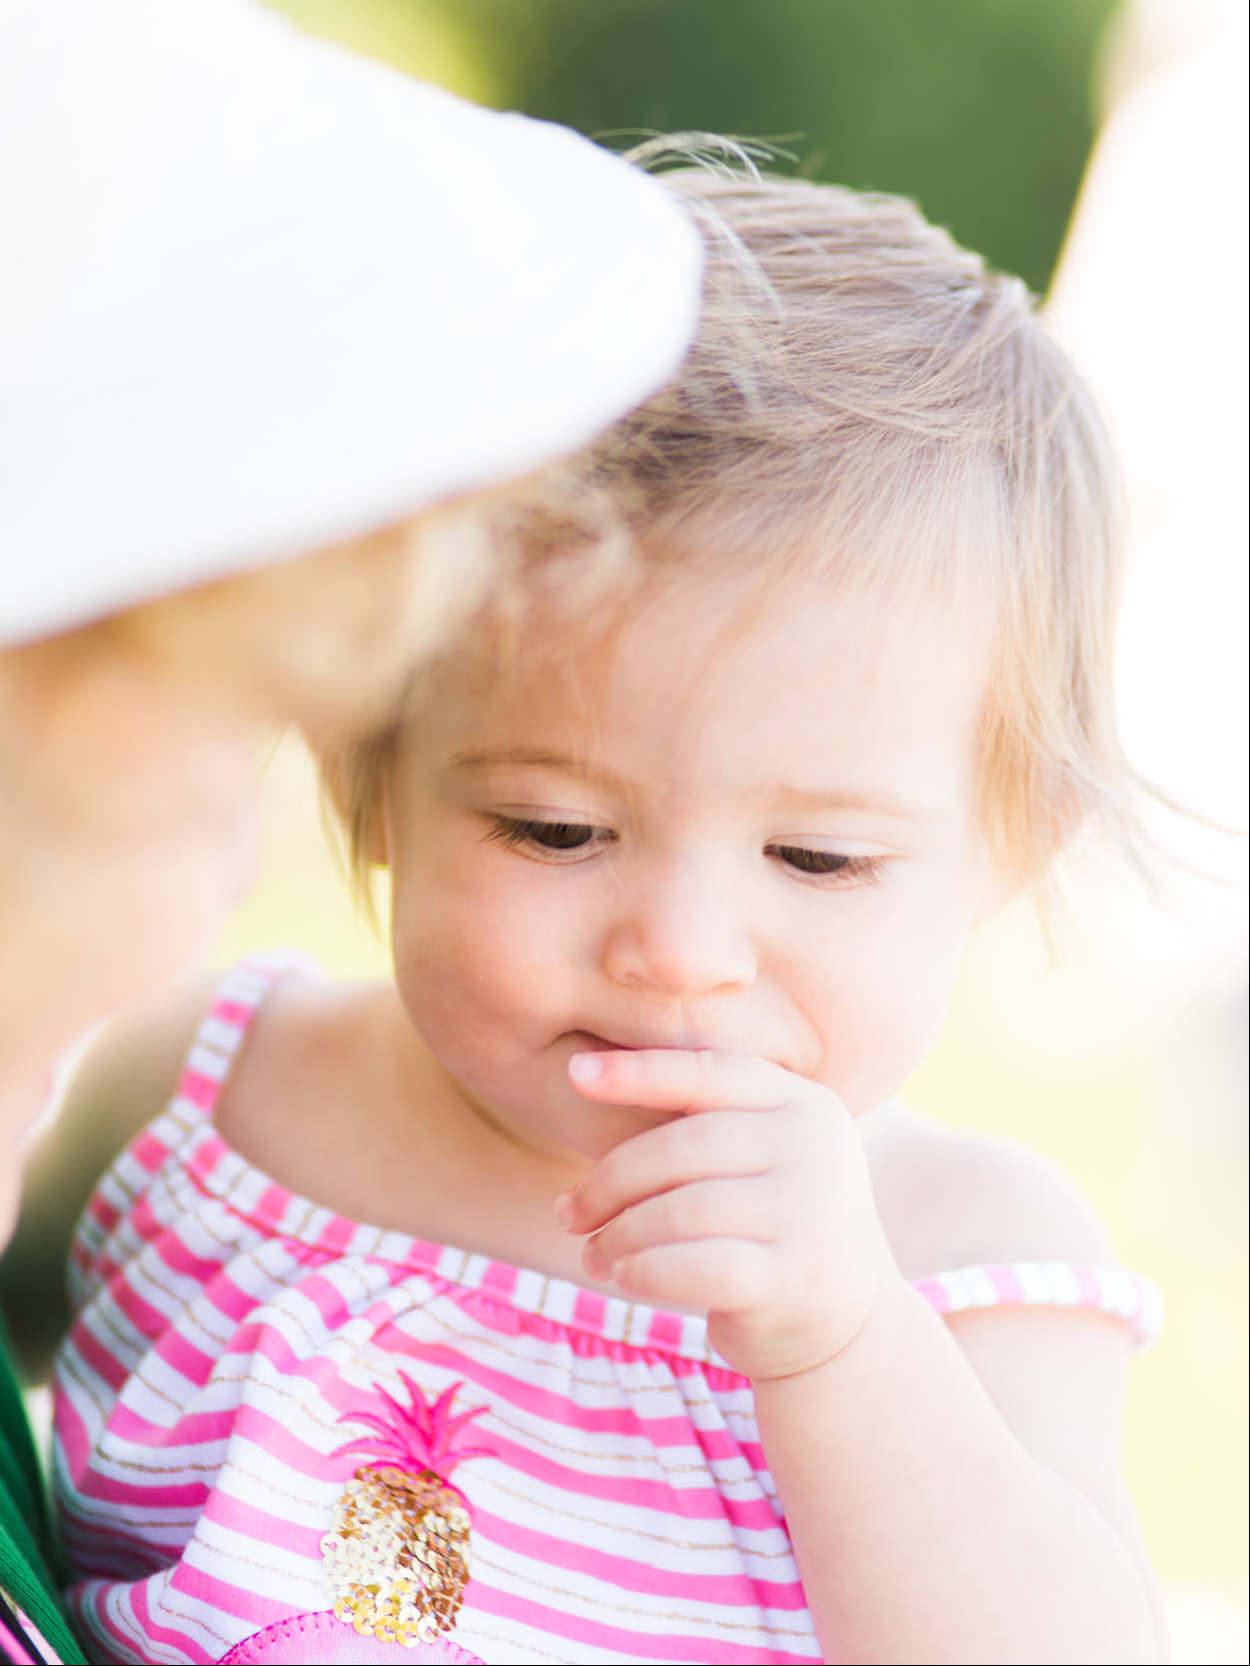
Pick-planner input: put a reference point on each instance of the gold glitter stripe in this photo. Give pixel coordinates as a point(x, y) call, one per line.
point(185, 1115)
point(137, 1376)
point(83, 1510)
point(132, 1348)
point(103, 1458)
point(490, 1483)
point(650, 1456)
point(312, 1506)
point(229, 1244)
point(327, 1425)
point(137, 1344)
point(219, 1344)
point(470, 1633)
point(302, 1221)
point(139, 1271)
point(349, 1268)
point(312, 1581)
point(682, 1617)
point(71, 1367)
point(125, 1621)
point(128, 1189)
point(191, 1621)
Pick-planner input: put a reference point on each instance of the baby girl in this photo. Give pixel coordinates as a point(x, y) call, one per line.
point(584, 1294)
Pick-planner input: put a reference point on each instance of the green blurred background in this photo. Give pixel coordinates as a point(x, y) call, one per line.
point(978, 109)
point(984, 112)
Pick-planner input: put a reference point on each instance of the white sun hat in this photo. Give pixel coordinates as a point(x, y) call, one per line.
point(258, 295)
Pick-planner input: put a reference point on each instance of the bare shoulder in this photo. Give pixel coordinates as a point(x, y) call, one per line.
point(952, 1199)
point(304, 1061)
point(317, 1098)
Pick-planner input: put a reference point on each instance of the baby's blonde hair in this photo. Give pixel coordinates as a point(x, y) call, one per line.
point(867, 401)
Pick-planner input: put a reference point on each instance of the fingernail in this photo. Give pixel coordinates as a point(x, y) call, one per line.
point(586, 1067)
point(564, 1208)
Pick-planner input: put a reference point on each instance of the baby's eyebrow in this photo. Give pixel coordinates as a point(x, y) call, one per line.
point(531, 757)
point(877, 800)
point(880, 800)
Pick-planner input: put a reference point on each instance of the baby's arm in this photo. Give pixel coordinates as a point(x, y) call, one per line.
point(979, 1512)
point(949, 1498)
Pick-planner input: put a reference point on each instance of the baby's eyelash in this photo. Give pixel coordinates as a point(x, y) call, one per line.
point(556, 841)
point(554, 838)
point(829, 864)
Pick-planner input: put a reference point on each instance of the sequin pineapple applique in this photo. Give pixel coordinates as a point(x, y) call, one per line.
point(397, 1557)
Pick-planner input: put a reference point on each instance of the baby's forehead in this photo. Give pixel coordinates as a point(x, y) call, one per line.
point(732, 666)
point(708, 617)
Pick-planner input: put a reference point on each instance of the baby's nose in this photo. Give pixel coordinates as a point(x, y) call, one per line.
point(681, 936)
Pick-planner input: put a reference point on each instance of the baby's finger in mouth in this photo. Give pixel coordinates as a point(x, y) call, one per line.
point(681, 1079)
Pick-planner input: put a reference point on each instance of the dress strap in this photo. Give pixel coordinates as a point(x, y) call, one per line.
point(1112, 1290)
point(221, 1032)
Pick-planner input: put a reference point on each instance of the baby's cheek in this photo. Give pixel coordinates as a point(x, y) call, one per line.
point(886, 1021)
point(468, 974)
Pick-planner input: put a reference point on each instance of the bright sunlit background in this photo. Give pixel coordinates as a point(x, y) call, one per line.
point(1125, 1061)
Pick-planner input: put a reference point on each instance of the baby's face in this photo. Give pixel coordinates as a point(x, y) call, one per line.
point(746, 828)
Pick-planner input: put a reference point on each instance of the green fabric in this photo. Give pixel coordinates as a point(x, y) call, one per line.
point(27, 1550)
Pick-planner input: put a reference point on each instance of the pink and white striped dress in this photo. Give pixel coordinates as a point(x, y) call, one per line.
point(237, 1349)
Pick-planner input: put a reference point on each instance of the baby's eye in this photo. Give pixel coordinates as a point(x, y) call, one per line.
point(552, 840)
point(828, 864)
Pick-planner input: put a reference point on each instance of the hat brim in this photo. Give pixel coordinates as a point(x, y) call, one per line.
point(328, 297)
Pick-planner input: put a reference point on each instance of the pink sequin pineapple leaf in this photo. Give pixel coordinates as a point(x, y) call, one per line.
point(419, 1436)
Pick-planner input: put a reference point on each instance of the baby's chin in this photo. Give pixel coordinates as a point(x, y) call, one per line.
point(572, 1129)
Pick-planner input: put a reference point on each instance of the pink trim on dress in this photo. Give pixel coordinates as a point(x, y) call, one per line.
point(321, 1638)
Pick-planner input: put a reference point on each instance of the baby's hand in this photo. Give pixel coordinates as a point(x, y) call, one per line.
point(753, 1204)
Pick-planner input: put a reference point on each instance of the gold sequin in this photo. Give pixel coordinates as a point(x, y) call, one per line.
point(396, 1560)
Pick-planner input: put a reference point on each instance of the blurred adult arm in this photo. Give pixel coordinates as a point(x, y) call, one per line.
point(123, 1079)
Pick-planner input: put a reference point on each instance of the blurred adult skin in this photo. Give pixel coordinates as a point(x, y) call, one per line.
point(266, 310)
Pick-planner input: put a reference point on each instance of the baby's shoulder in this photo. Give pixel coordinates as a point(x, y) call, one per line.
point(949, 1198)
point(311, 1060)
